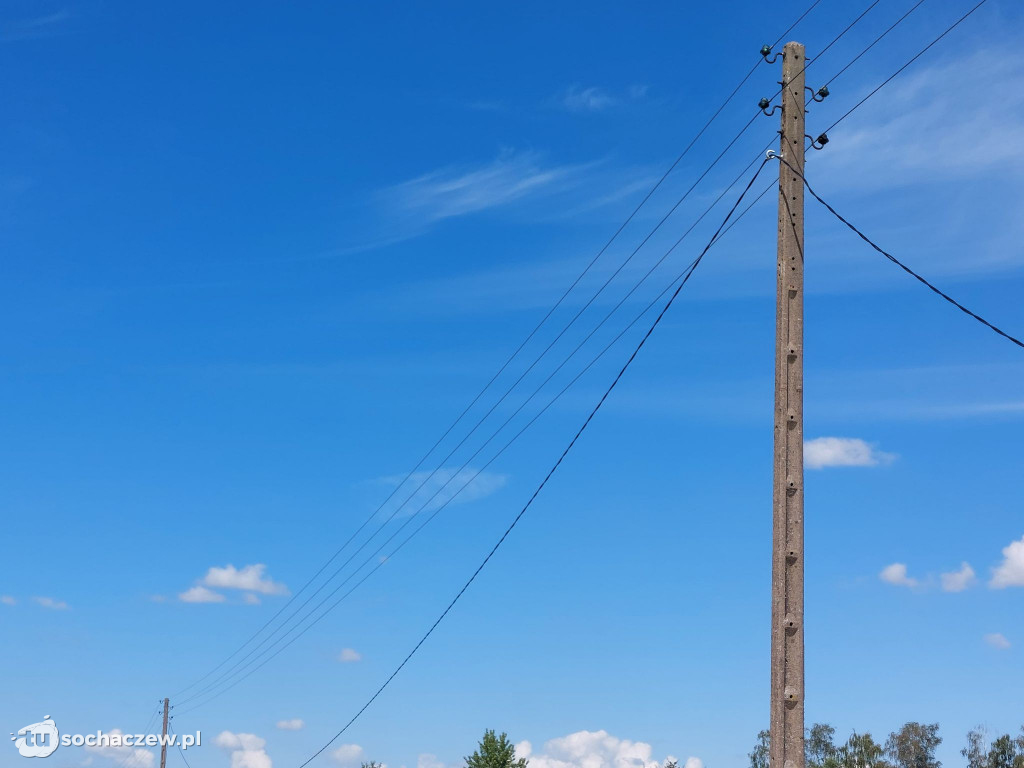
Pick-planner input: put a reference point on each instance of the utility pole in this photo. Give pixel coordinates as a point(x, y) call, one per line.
point(787, 685)
point(163, 741)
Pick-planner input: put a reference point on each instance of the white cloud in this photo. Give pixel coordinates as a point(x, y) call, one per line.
point(997, 640)
point(440, 488)
point(51, 603)
point(251, 599)
point(896, 574)
point(1010, 572)
point(594, 749)
point(958, 581)
point(200, 594)
point(121, 755)
point(451, 192)
point(427, 760)
point(592, 99)
point(247, 750)
point(295, 724)
point(8, 600)
point(842, 452)
point(249, 578)
point(349, 655)
point(348, 755)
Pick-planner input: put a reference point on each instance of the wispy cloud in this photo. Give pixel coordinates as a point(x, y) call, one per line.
point(1010, 572)
point(295, 724)
point(914, 130)
point(47, 25)
point(578, 98)
point(896, 574)
point(824, 452)
point(445, 486)
point(349, 656)
point(459, 191)
point(51, 603)
point(7, 600)
point(997, 640)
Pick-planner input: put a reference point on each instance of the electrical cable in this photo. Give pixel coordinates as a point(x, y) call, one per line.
point(916, 56)
point(898, 263)
point(504, 366)
point(551, 472)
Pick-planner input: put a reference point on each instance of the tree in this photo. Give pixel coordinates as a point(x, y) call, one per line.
point(1007, 752)
point(913, 746)
point(819, 751)
point(861, 751)
point(759, 755)
point(495, 752)
point(976, 750)
point(371, 764)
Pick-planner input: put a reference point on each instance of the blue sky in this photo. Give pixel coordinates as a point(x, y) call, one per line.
point(257, 258)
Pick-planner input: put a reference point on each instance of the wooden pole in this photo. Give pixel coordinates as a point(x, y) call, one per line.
point(787, 684)
point(163, 741)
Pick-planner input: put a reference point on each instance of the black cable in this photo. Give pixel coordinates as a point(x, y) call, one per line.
point(551, 472)
point(507, 362)
point(900, 264)
point(792, 26)
point(916, 56)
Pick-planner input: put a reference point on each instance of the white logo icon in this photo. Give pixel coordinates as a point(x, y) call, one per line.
point(38, 739)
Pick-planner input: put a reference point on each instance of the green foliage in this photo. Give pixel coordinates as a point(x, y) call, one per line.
point(495, 752)
point(913, 746)
point(371, 764)
point(759, 755)
point(819, 749)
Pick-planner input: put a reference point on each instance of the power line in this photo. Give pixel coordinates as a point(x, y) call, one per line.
point(224, 675)
point(551, 472)
point(916, 56)
point(230, 673)
point(900, 264)
point(177, 743)
point(874, 42)
point(508, 361)
point(242, 663)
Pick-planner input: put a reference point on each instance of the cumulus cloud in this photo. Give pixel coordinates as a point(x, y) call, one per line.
point(1010, 572)
point(247, 750)
point(200, 594)
point(997, 640)
point(896, 574)
point(842, 452)
point(594, 749)
point(295, 724)
point(137, 758)
point(349, 655)
point(440, 487)
point(249, 578)
point(51, 603)
point(348, 755)
point(958, 581)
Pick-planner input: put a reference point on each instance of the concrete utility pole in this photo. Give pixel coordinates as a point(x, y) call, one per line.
point(163, 741)
point(787, 693)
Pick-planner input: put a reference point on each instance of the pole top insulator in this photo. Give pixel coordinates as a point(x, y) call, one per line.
point(765, 50)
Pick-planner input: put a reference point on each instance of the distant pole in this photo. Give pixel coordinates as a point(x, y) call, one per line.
point(787, 692)
point(163, 741)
